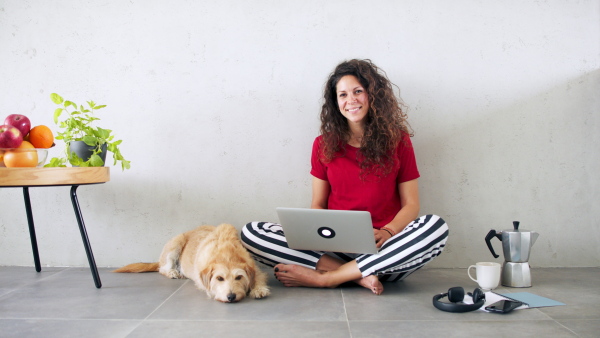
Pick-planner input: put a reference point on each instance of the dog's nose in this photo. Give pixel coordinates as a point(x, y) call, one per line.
point(231, 297)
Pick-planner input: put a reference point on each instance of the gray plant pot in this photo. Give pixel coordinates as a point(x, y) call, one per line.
point(85, 152)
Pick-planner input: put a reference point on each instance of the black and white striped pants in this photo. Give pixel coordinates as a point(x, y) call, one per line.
point(420, 242)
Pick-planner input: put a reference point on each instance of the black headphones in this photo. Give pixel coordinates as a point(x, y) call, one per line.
point(457, 294)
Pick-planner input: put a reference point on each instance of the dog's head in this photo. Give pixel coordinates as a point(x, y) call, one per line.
point(227, 284)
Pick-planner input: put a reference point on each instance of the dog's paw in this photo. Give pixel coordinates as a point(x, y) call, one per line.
point(174, 274)
point(260, 292)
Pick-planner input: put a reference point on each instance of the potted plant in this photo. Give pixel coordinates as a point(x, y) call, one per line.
point(77, 131)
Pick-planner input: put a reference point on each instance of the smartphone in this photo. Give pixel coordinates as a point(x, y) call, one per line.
point(503, 306)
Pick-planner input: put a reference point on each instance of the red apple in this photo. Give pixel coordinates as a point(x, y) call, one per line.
point(20, 122)
point(10, 137)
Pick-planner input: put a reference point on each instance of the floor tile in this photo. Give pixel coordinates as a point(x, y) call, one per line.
point(242, 329)
point(583, 327)
point(72, 294)
point(579, 305)
point(12, 277)
point(47, 328)
point(419, 306)
point(63, 302)
point(412, 299)
point(427, 329)
point(292, 304)
point(578, 288)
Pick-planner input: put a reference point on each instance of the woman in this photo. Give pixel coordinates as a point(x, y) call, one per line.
point(363, 160)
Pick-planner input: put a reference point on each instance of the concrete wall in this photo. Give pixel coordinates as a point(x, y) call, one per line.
point(217, 103)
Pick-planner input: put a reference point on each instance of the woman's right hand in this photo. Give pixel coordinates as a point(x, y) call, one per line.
point(380, 237)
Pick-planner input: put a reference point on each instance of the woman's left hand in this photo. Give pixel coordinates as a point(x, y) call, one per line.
point(381, 236)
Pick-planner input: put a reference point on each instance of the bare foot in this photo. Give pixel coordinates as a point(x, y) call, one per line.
point(329, 263)
point(295, 275)
point(372, 283)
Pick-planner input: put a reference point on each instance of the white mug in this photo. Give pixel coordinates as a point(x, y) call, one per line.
point(488, 275)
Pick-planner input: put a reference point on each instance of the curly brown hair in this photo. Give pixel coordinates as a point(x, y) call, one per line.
point(385, 122)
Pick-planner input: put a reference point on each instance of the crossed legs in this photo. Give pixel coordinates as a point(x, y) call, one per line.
point(329, 272)
point(420, 242)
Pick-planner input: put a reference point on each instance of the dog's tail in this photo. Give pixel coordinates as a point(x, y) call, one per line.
point(139, 267)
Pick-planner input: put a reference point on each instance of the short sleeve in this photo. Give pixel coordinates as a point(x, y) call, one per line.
point(318, 169)
point(408, 170)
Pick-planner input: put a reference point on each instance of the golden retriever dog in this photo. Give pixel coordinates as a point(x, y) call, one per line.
point(214, 258)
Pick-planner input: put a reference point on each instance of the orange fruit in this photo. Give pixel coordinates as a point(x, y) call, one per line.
point(24, 156)
point(41, 137)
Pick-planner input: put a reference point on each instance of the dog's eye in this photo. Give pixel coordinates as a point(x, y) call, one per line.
point(238, 277)
point(220, 279)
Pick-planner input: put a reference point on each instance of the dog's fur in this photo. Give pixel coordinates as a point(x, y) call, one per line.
point(214, 258)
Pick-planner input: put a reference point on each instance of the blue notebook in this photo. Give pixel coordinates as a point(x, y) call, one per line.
point(530, 299)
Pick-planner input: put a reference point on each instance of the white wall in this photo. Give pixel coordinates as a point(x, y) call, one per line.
point(218, 101)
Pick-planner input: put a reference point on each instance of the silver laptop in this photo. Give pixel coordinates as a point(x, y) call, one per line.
point(328, 230)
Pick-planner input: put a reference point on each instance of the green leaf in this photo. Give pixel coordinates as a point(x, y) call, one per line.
point(90, 140)
point(69, 103)
point(57, 113)
point(56, 162)
point(96, 161)
point(103, 133)
point(100, 106)
point(76, 160)
point(56, 98)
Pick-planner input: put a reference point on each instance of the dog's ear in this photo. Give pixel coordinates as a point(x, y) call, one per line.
point(251, 272)
point(206, 276)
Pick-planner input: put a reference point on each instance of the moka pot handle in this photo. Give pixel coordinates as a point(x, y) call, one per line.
point(488, 239)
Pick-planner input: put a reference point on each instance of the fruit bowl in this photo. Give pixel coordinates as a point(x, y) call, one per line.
point(23, 157)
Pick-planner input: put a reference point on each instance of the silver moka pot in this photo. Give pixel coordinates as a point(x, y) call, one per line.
point(516, 245)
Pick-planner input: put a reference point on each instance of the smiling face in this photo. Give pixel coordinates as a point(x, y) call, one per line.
point(352, 99)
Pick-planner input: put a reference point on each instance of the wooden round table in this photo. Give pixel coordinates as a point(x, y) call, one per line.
point(51, 177)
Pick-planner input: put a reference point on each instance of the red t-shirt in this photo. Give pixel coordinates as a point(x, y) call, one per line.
point(378, 195)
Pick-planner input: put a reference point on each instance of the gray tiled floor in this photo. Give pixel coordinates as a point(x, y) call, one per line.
point(63, 302)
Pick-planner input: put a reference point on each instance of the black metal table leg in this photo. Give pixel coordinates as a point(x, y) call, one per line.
point(34, 247)
point(84, 237)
